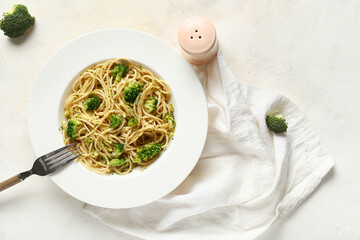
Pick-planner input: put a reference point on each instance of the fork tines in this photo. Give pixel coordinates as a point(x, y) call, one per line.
point(60, 157)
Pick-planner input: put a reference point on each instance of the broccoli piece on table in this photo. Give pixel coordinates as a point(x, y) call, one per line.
point(118, 150)
point(151, 104)
point(132, 122)
point(276, 123)
point(92, 102)
point(170, 118)
point(15, 23)
point(73, 127)
point(132, 91)
point(149, 151)
point(120, 71)
point(115, 121)
point(116, 162)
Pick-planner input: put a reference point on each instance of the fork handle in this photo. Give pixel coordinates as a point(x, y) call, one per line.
point(10, 182)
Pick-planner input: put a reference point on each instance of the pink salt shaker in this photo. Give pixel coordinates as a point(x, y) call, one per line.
point(197, 38)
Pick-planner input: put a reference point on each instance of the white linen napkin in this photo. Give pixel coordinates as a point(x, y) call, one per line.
point(247, 177)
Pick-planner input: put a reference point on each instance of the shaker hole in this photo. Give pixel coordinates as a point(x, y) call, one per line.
point(191, 37)
point(199, 37)
point(196, 30)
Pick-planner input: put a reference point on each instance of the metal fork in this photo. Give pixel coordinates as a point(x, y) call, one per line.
point(44, 165)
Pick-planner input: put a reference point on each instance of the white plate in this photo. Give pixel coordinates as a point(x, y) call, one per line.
point(172, 167)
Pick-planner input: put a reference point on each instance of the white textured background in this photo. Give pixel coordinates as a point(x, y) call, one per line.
point(308, 50)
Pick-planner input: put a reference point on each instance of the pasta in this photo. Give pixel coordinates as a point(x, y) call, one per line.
point(120, 116)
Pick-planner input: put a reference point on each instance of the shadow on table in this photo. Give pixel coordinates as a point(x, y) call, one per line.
point(10, 200)
point(27, 34)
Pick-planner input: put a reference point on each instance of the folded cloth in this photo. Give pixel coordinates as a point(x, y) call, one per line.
point(247, 177)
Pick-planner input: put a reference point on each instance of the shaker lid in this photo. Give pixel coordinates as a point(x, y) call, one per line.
point(196, 35)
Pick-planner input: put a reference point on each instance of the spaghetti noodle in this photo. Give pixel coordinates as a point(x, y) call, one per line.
point(120, 116)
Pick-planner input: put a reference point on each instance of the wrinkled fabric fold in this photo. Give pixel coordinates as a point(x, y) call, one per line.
point(247, 177)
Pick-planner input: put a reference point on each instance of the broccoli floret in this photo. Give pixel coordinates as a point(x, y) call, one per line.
point(120, 71)
point(73, 127)
point(15, 23)
point(276, 123)
point(115, 121)
point(95, 154)
point(170, 118)
point(132, 91)
point(92, 102)
point(67, 114)
point(116, 162)
point(89, 141)
point(151, 104)
point(172, 108)
point(132, 122)
point(149, 151)
point(118, 150)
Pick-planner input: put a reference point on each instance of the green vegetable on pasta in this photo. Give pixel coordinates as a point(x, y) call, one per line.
point(132, 122)
point(92, 103)
point(170, 119)
point(120, 71)
point(67, 114)
point(116, 162)
point(151, 104)
point(132, 91)
point(73, 127)
point(172, 109)
point(149, 151)
point(115, 121)
point(118, 150)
